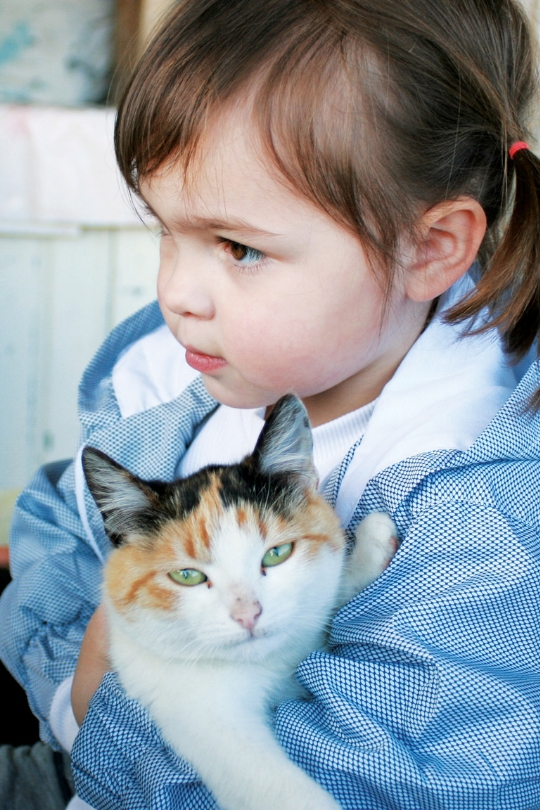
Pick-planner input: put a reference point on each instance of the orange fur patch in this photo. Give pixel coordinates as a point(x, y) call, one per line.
point(242, 516)
point(318, 538)
point(133, 578)
point(137, 573)
point(202, 531)
point(188, 541)
point(317, 525)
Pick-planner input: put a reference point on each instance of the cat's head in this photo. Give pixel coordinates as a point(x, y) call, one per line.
point(233, 562)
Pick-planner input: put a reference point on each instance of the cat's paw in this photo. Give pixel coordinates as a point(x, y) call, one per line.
point(376, 543)
point(312, 797)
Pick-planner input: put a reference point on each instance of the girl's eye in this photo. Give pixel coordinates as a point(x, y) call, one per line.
point(242, 253)
point(277, 555)
point(188, 576)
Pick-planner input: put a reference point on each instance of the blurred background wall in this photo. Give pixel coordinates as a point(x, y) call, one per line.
point(75, 258)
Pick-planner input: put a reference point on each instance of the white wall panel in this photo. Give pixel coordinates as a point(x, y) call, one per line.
point(74, 261)
point(76, 320)
point(135, 257)
point(23, 291)
point(59, 297)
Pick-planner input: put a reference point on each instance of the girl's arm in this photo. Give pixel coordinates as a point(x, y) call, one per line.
point(92, 664)
point(55, 590)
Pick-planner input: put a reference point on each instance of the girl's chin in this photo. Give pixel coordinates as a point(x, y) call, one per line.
point(235, 396)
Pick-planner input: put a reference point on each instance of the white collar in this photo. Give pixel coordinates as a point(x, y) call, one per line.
point(443, 395)
point(150, 372)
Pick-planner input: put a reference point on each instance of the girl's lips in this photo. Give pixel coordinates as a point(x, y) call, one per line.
point(204, 362)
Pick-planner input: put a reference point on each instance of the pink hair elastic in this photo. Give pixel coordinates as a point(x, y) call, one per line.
point(517, 147)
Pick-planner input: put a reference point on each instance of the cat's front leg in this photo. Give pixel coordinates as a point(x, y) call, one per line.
point(376, 543)
point(252, 772)
point(223, 732)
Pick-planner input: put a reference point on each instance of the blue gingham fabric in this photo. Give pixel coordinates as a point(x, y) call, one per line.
point(429, 698)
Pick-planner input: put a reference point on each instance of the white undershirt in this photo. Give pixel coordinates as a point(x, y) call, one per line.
point(231, 433)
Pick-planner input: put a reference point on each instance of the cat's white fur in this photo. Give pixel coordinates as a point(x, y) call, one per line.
point(212, 700)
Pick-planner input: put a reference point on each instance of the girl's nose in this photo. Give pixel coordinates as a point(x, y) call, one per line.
point(183, 290)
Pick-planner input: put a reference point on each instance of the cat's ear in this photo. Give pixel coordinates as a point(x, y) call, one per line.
point(122, 498)
point(286, 444)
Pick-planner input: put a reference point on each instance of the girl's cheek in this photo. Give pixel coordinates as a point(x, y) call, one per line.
point(167, 255)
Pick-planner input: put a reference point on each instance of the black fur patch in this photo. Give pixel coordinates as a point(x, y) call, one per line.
point(264, 480)
point(237, 485)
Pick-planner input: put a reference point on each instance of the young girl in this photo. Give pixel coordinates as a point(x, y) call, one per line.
point(349, 212)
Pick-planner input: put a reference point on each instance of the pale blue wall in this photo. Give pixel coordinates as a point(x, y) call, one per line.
point(55, 51)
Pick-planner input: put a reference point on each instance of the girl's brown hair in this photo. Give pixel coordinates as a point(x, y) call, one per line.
point(375, 111)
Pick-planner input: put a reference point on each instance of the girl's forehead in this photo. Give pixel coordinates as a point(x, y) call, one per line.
point(229, 181)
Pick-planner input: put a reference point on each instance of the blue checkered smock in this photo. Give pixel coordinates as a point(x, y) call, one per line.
point(430, 697)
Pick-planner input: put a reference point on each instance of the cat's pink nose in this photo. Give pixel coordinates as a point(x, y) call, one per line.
point(246, 612)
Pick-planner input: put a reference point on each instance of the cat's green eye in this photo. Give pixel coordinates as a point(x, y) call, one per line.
point(277, 555)
point(188, 576)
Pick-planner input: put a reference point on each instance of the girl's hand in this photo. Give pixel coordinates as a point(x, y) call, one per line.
point(92, 665)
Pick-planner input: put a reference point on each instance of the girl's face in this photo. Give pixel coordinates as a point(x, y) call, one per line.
point(265, 291)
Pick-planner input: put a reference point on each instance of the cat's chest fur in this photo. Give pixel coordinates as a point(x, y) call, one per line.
point(219, 586)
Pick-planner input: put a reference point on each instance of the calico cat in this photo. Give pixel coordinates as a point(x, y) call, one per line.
point(220, 585)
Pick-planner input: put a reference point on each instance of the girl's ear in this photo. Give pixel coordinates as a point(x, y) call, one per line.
point(449, 237)
point(285, 444)
point(122, 498)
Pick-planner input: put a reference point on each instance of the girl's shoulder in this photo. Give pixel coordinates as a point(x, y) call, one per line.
point(501, 468)
point(99, 371)
point(496, 472)
point(138, 366)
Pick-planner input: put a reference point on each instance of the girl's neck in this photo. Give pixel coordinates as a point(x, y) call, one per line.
point(363, 387)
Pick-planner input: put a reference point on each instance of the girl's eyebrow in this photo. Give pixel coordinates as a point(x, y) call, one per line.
point(208, 223)
point(229, 224)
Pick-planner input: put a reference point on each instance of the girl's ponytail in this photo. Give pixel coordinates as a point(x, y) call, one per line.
point(510, 284)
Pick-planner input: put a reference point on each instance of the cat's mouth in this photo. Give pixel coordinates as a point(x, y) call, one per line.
point(250, 637)
point(254, 646)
